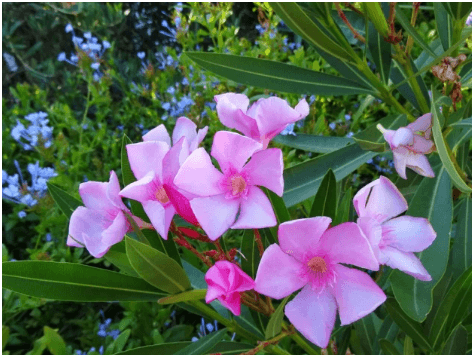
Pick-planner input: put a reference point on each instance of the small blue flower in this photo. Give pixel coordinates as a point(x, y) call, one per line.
point(62, 56)
point(68, 28)
point(88, 35)
point(289, 130)
point(48, 237)
point(22, 214)
point(170, 90)
point(350, 134)
point(347, 117)
point(106, 44)
point(332, 126)
point(194, 339)
point(95, 65)
point(185, 82)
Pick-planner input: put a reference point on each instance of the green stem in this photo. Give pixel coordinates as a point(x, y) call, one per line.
point(88, 103)
point(265, 344)
point(231, 325)
point(420, 98)
point(277, 350)
point(304, 345)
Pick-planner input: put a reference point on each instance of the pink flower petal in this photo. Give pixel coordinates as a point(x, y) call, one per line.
point(232, 150)
point(273, 115)
point(373, 231)
point(94, 195)
point(404, 261)
point(96, 247)
point(147, 156)
point(256, 211)
point(231, 109)
point(83, 220)
point(356, 294)
point(160, 216)
point(232, 302)
point(198, 168)
point(312, 314)
point(408, 234)
point(380, 200)
point(174, 158)
point(158, 134)
point(213, 293)
point(215, 214)
point(400, 161)
point(265, 168)
point(422, 145)
point(346, 244)
point(278, 274)
point(184, 128)
point(142, 190)
point(423, 123)
point(116, 231)
point(300, 238)
point(420, 164)
point(388, 136)
point(193, 145)
point(113, 192)
point(402, 136)
point(181, 204)
point(303, 108)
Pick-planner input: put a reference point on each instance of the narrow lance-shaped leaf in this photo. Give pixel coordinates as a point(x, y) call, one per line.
point(381, 53)
point(344, 207)
point(366, 332)
point(388, 348)
point(314, 143)
point(275, 75)
point(74, 282)
point(325, 200)
point(444, 25)
point(274, 325)
point(462, 246)
point(64, 200)
point(433, 201)
point(251, 255)
point(156, 268)
point(299, 21)
point(457, 342)
point(223, 347)
point(445, 153)
point(183, 297)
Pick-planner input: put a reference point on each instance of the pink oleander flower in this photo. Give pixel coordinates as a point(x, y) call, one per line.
point(410, 144)
point(184, 127)
point(155, 165)
point(310, 256)
point(225, 282)
point(102, 222)
point(393, 239)
point(265, 119)
point(234, 191)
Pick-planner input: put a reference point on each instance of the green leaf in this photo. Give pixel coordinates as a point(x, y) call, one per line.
point(64, 200)
point(412, 32)
point(457, 342)
point(156, 268)
point(138, 232)
point(388, 331)
point(5, 336)
point(366, 332)
point(117, 256)
point(372, 139)
point(204, 344)
point(223, 347)
point(376, 16)
point(439, 326)
point(461, 306)
point(410, 327)
point(460, 9)
point(445, 153)
point(408, 348)
point(274, 75)
point(462, 246)
point(278, 205)
point(183, 297)
point(459, 133)
point(463, 123)
point(274, 325)
point(298, 20)
point(313, 143)
point(388, 348)
point(343, 209)
point(246, 321)
point(54, 341)
point(433, 201)
point(444, 25)
point(121, 340)
point(302, 181)
point(325, 200)
point(74, 282)
point(249, 249)
point(381, 53)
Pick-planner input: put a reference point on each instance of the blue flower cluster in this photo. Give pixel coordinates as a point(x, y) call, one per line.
point(10, 61)
point(209, 327)
point(18, 191)
point(89, 45)
point(290, 46)
point(103, 327)
point(379, 161)
point(38, 132)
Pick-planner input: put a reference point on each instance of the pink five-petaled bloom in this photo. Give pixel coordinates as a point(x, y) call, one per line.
point(155, 166)
point(309, 256)
point(265, 119)
point(410, 144)
point(224, 195)
point(225, 282)
point(102, 222)
point(393, 239)
point(184, 127)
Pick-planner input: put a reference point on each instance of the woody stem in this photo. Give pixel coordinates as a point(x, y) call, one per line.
point(258, 240)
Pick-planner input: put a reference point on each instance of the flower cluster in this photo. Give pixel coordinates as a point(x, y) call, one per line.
point(10, 61)
point(88, 45)
point(37, 133)
point(209, 327)
point(174, 176)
